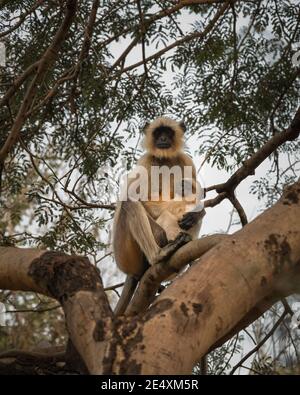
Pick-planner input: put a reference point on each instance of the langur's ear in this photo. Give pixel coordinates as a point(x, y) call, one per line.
point(182, 125)
point(145, 127)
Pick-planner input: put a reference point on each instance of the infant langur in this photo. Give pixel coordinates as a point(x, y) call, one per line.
point(187, 198)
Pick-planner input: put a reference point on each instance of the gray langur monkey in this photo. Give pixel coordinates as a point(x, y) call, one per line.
point(148, 231)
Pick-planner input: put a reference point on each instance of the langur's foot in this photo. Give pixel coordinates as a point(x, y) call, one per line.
point(166, 252)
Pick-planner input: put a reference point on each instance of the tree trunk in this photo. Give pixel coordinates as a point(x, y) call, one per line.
point(224, 290)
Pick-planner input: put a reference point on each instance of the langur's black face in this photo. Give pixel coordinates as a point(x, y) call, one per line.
point(163, 137)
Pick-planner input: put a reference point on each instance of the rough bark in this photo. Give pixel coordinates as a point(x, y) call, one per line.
point(226, 289)
point(75, 283)
point(260, 261)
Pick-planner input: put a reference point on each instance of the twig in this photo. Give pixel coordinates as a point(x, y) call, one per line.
point(34, 311)
point(237, 205)
point(260, 344)
point(113, 287)
point(187, 38)
point(225, 189)
point(22, 18)
point(92, 205)
point(143, 32)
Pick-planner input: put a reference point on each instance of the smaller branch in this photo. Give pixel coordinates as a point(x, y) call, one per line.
point(264, 152)
point(231, 354)
point(19, 82)
point(249, 334)
point(166, 12)
point(248, 168)
point(172, 19)
point(187, 38)
point(72, 72)
point(35, 311)
point(215, 201)
point(18, 362)
point(287, 307)
point(67, 76)
point(55, 352)
point(153, 277)
point(92, 205)
point(235, 51)
point(278, 102)
point(121, 59)
point(253, 19)
point(143, 32)
point(22, 18)
point(237, 205)
point(65, 206)
point(113, 287)
point(260, 344)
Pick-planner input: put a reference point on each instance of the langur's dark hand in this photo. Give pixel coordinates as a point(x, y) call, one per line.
point(190, 219)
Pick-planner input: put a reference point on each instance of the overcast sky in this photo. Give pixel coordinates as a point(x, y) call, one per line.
point(217, 219)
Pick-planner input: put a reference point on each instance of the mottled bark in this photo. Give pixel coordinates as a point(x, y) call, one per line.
point(226, 289)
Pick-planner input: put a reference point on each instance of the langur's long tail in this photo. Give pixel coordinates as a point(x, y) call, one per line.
point(126, 295)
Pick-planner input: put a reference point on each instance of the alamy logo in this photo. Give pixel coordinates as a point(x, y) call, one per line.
point(2, 54)
point(165, 182)
point(2, 314)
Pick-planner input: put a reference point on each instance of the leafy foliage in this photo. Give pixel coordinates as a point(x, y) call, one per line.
point(234, 86)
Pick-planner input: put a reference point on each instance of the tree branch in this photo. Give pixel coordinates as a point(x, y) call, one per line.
point(71, 280)
point(187, 38)
point(44, 64)
point(160, 272)
point(15, 362)
point(225, 285)
point(261, 343)
point(239, 208)
point(22, 18)
point(228, 287)
point(227, 188)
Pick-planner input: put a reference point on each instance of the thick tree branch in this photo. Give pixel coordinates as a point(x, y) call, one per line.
point(229, 286)
point(259, 263)
point(16, 362)
point(75, 283)
point(165, 12)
